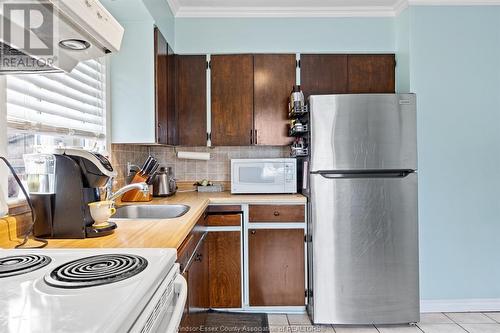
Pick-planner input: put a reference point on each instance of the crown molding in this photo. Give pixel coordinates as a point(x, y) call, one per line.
point(400, 6)
point(310, 12)
point(368, 11)
point(454, 2)
point(174, 6)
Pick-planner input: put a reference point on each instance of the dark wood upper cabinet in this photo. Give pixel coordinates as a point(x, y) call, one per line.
point(371, 73)
point(323, 74)
point(276, 267)
point(232, 100)
point(191, 100)
point(224, 253)
point(274, 78)
point(249, 93)
point(164, 90)
point(343, 73)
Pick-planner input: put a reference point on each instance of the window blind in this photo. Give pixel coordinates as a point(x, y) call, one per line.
point(63, 103)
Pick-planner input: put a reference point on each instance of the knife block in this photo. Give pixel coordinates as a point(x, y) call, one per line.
point(136, 195)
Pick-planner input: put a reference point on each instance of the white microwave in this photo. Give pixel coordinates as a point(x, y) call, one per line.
point(264, 175)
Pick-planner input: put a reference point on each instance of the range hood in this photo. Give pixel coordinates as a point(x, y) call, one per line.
point(65, 33)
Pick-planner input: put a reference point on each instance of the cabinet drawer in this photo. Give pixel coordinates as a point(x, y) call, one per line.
point(224, 220)
point(276, 213)
point(223, 209)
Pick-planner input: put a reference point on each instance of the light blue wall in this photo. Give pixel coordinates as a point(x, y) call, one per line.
point(145, 10)
point(164, 19)
point(238, 35)
point(132, 69)
point(455, 71)
point(132, 85)
point(402, 42)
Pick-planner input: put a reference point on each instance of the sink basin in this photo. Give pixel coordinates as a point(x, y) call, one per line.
point(138, 212)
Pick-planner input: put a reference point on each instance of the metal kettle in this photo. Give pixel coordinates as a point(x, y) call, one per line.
point(164, 184)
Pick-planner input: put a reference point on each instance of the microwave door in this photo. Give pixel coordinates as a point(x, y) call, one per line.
point(259, 178)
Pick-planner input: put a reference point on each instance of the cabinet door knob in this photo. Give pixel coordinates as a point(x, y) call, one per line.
point(252, 232)
point(276, 213)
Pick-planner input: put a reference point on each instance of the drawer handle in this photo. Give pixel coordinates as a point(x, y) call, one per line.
point(276, 213)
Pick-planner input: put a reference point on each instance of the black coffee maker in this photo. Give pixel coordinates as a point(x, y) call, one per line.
point(61, 186)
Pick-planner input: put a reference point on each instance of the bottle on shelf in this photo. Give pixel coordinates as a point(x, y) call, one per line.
point(297, 104)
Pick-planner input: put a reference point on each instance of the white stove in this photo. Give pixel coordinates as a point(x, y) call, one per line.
point(90, 290)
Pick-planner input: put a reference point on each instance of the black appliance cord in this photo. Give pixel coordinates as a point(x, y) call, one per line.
point(33, 216)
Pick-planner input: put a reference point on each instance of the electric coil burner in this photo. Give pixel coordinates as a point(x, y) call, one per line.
point(96, 270)
point(20, 264)
point(136, 290)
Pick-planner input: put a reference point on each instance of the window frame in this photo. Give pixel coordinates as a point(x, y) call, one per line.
point(3, 137)
point(3, 123)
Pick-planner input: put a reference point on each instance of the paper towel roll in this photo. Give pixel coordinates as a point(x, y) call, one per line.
point(193, 156)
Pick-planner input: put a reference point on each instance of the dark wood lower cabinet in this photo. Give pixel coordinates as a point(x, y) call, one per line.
point(276, 264)
point(198, 281)
point(276, 267)
point(224, 251)
point(196, 275)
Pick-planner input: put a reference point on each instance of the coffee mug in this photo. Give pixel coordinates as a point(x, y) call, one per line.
point(101, 211)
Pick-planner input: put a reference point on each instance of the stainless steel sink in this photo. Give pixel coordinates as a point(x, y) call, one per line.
point(143, 212)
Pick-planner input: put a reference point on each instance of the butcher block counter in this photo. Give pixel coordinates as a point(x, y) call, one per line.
point(166, 233)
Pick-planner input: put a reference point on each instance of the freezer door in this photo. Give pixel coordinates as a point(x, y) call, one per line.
point(365, 250)
point(363, 132)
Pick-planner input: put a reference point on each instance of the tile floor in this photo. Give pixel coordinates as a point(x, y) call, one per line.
point(470, 322)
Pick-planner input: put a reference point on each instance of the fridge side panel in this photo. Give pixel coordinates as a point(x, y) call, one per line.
point(365, 250)
point(363, 132)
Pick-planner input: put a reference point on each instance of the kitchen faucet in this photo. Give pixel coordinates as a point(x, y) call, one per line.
point(143, 187)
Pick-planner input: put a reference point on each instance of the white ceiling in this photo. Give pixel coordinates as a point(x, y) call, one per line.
point(304, 8)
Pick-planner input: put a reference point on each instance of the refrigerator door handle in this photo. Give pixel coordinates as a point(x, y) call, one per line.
point(365, 174)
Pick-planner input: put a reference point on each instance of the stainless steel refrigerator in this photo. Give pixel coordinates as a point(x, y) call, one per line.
point(362, 185)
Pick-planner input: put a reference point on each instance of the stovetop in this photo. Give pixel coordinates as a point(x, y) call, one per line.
point(78, 290)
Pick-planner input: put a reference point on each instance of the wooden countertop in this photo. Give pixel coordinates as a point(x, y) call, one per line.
point(168, 233)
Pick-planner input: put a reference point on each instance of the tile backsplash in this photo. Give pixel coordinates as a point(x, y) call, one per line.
point(216, 169)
